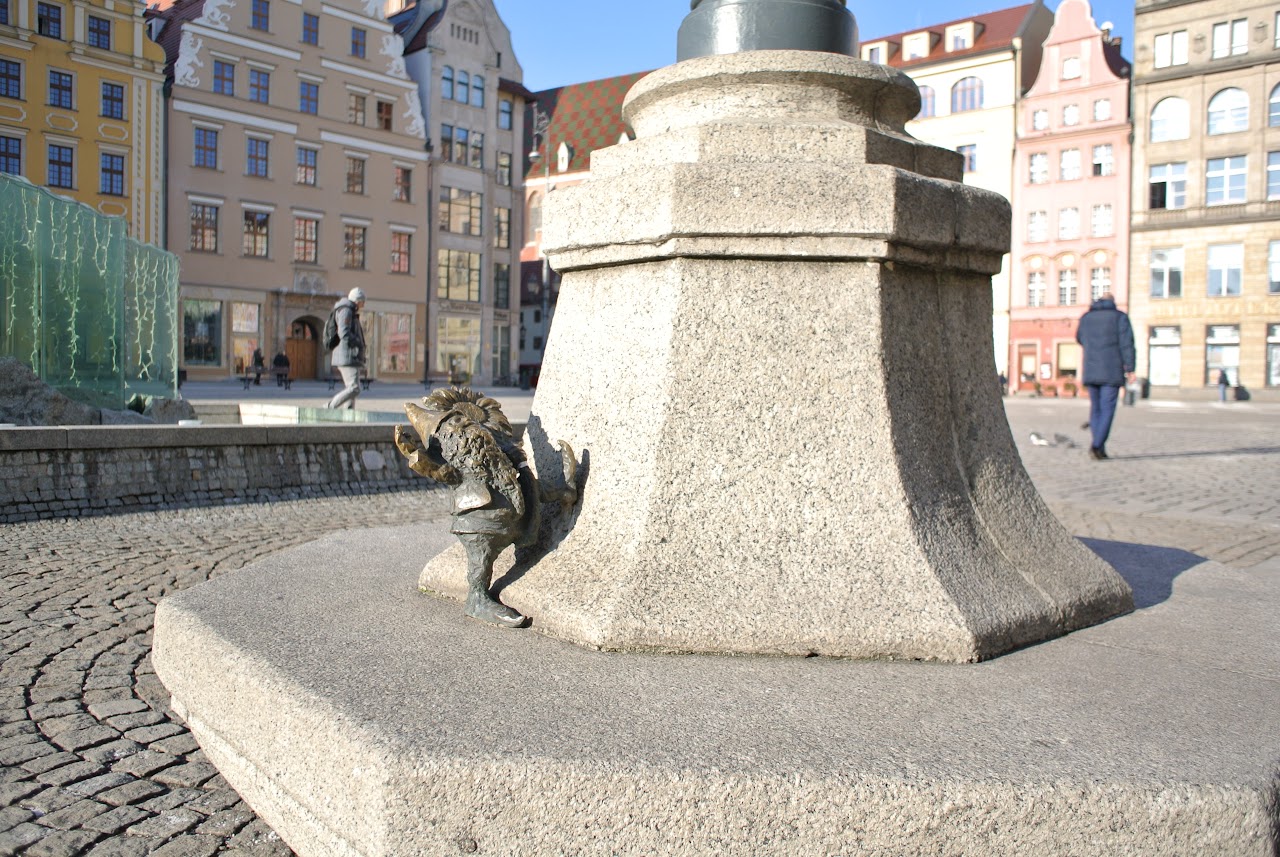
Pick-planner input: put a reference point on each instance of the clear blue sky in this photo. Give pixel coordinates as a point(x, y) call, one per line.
point(572, 41)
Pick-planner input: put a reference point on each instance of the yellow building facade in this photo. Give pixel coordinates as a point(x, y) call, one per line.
point(82, 106)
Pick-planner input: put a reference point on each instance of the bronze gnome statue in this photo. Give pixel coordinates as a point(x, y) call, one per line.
point(465, 441)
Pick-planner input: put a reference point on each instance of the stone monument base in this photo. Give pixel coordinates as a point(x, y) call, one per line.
point(360, 717)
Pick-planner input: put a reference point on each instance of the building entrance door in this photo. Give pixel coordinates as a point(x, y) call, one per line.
point(301, 349)
point(1028, 359)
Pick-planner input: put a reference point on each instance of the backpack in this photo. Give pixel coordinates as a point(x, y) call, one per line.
point(331, 335)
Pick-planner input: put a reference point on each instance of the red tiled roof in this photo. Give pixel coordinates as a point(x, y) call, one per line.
point(587, 116)
point(997, 31)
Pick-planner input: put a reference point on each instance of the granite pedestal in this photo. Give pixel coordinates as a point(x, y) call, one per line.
point(360, 718)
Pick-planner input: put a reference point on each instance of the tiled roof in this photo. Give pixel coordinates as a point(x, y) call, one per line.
point(174, 13)
point(587, 116)
point(998, 31)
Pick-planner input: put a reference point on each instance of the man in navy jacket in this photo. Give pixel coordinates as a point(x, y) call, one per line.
point(1107, 338)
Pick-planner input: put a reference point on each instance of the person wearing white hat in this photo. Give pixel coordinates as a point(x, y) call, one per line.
point(349, 351)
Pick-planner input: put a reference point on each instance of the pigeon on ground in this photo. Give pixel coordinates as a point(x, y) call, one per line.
point(1038, 439)
point(1063, 440)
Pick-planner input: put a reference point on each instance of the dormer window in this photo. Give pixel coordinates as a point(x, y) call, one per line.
point(877, 52)
point(960, 37)
point(916, 46)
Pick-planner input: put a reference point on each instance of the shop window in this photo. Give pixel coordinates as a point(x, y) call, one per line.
point(395, 331)
point(202, 333)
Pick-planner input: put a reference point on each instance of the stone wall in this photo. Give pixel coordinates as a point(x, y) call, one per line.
point(75, 471)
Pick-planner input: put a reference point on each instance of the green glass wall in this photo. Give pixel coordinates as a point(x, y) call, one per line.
point(92, 311)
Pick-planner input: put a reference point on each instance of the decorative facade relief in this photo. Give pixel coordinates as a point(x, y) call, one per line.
point(415, 125)
point(393, 50)
point(184, 69)
point(215, 14)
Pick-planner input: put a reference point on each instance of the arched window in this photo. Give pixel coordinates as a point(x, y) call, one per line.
point(446, 83)
point(966, 95)
point(926, 103)
point(1170, 120)
point(1229, 111)
point(464, 86)
point(1273, 112)
point(477, 91)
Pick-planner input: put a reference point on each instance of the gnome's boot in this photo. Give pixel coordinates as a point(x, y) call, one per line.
point(481, 552)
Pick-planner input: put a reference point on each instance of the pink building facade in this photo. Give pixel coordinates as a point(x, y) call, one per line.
point(1070, 200)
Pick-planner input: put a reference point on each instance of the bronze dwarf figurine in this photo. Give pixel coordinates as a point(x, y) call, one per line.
point(465, 441)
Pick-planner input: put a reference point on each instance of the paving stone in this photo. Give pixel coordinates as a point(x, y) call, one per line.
point(226, 823)
point(115, 820)
point(12, 816)
point(68, 774)
point(146, 763)
point(125, 722)
point(25, 752)
point(11, 793)
point(101, 783)
point(189, 775)
point(255, 834)
point(148, 734)
point(167, 824)
point(74, 816)
point(79, 739)
point(189, 846)
point(172, 799)
point(112, 752)
point(47, 763)
point(62, 843)
point(178, 745)
point(14, 840)
point(125, 846)
point(50, 800)
point(114, 708)
point(134, 792)
point(215, 801)
point(59, 725)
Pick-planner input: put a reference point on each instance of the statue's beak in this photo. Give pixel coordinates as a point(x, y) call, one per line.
point(424, 421)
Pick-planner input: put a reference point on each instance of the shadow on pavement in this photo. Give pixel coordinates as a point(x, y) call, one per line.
point(1149, 570)
point(1248, 450)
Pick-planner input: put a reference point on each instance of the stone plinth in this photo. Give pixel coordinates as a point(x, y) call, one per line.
point(773, 351)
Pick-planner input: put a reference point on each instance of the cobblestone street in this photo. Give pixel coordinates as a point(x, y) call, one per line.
point(92, 760)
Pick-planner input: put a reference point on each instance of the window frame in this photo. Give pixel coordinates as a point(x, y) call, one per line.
point(357, 173)
point(355, 246)
point(310, 29)
point(309, 97)
point(1171, 285)
point(255, 234)
point(1175, 183)
point(260, 15)
point(1231, 118)
point(64, 88)
point(257, 158)
point(1232, 278)
point(401, 257)
point(98, 36)
point(224, 83)
point(115, 101)
point(204, 227)
point(201, 148)
point(967, 94)
point(359, 42)
point(11, 78)
point(402, 183)
point(49, 20)
point(11, 149)
point(306, 240)
point(259, 86)
point(111, 167)
point(506, 114)
point(1068, 223)
point(1229, 170)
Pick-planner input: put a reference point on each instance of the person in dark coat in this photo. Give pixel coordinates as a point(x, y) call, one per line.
point(349, 353)
point(1107, 338)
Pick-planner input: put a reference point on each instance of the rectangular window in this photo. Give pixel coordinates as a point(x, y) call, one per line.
point(49, 20)
point(501, 351)
point(1099, 282)
point(1230, 38)
point(1102, 110)
point(99, 33)
point(1037, 227)
point(10, 79)
point(306, 172)
point(970, 154)
point(355, 175)
point(60, 90)
point(255, 233)
point(1071, 115)
point(308, 97)
point(396, 353)
point(1222, 353)
point(259, 86)
point(204, 227)
point(4, 12)
point(1166, 273)
point(112, 101)
point(1040, 120)
point(446, 143)
point(1225, 180)
point(11, 155)
point(1071, 68)
point(403, 191)
point(353, 246)
point(504, 169)
point(460, 211)
point(61, 166)
point(260, 17)
point(1069, 223)
point(224, 77)
point(202, 333)
point(256, 157)
point(460, 140)
point(1226, 269)
point(1069, 164)
point(502, 286)
point(1273, 268)
point(477, 150)
point(111, 174)
point(502, 227)
point(1035, 289)
point(1103, 162)
point(355, 108)
point(1039, 168)
point(310, 29)
point(400, 252)
point(384, 115)
point(1171, 49)
point(206, 148)
point(306, 233)
point(1100, 221)
point(1068, 288)
point(1168, 186)
point(458, 275)
point(504, 114)
point(1273, 175)
point(358, 39)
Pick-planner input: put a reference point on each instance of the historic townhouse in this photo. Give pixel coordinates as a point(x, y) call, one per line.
point(1070, 198)
point(1206, 192)
point(81, 110)
point(971, 73)
point(297, 170)
point(460, 54)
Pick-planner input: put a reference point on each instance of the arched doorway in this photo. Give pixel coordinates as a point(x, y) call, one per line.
point(302, 347)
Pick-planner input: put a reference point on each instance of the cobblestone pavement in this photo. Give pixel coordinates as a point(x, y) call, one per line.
point(92, 761)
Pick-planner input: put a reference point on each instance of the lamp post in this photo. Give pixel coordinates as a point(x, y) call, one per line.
point(541, 126)
point(429, 147)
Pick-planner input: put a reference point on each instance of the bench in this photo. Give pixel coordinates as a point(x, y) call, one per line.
point(365, 381)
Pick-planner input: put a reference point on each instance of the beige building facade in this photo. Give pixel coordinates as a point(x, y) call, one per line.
point(297, 171)
point(1205, 245)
